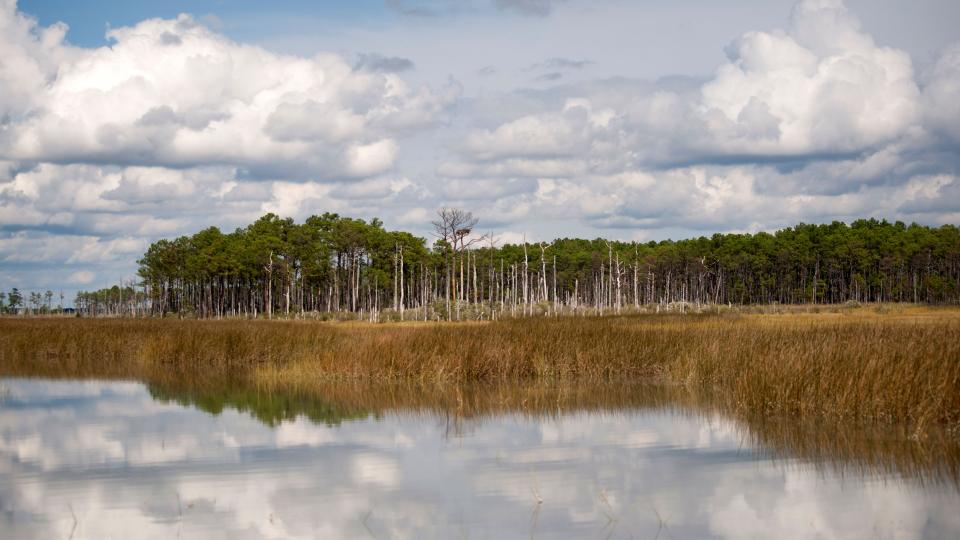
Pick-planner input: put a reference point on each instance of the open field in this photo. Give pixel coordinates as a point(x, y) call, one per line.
point(896, 364)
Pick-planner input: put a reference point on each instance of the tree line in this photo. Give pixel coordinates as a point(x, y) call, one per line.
point(352, 268)
point(335, 264)
point(31, 303)
point(126, 299)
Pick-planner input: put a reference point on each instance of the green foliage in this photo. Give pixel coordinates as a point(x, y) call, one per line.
point(275, 264)
point(15, 299)
point(335, 263)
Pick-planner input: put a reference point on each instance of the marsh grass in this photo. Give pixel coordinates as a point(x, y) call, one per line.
point(897, 366)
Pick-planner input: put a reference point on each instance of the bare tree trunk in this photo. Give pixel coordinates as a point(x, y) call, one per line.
point(554, 285)
point(500, 287)
point(476, 290)
point(449, 278)
point(270, 287)
point(526, 273)
point(543, 272)
point(618, 284)
point(816, 278)
point(401, 284)
point(396, 298)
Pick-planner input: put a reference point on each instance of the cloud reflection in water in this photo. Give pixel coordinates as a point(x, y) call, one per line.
point(127, 465)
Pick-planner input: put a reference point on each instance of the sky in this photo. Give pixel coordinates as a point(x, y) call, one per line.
point(125, 122)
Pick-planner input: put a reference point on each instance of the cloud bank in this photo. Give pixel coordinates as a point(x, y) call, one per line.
point(172, 93)
point(815, 121)
point(173, 126)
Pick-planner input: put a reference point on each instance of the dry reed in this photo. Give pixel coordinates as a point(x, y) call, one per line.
point(900, 367)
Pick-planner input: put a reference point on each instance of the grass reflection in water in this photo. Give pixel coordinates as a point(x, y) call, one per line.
point(886, 451)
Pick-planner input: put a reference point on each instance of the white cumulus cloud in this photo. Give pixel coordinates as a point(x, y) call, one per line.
point(175, 93)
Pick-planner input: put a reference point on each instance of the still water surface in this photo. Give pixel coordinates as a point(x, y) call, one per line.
point(99, 459)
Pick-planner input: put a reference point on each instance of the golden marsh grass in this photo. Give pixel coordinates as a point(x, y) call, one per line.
point(899, 366)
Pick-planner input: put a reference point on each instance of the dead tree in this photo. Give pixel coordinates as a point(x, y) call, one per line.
point(454, 227)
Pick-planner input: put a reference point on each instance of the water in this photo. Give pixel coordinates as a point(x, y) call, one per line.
point(97, 459)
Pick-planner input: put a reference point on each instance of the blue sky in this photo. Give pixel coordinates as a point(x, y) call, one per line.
point(616, 118)
point(918, 26)
point(242, 19)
